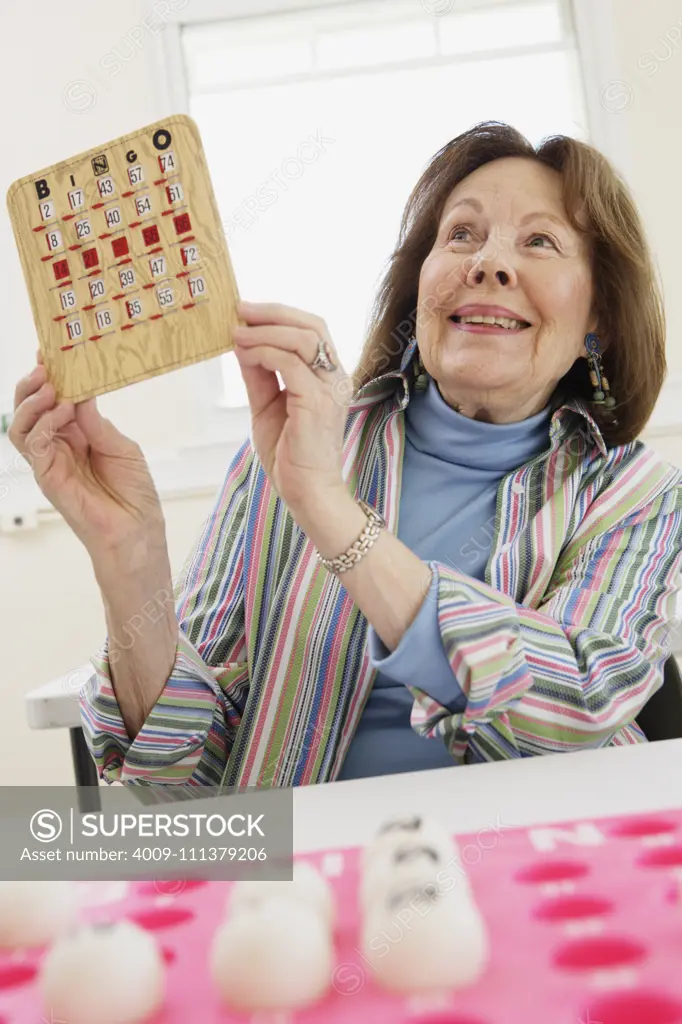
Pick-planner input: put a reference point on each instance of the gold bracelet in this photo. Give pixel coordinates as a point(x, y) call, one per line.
point(375, 523)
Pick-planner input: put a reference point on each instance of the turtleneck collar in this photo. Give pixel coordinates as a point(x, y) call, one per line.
point(396, 385)
point(435, 428)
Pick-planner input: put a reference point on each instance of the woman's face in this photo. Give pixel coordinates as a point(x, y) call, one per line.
point(504, 248)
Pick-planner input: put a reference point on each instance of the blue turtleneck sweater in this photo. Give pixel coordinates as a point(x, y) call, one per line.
point(452, 469)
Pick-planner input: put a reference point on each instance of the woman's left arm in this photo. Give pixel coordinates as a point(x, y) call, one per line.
point(569, 674)
point(578, 669)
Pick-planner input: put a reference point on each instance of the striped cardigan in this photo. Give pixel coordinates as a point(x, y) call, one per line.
point(558, 649)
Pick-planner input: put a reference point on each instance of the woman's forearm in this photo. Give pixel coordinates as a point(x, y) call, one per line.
point(142, 630)
point(388, 584)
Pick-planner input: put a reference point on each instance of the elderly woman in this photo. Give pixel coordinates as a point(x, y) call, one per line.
point(462, 554)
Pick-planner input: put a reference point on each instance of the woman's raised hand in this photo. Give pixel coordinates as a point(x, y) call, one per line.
point(94, 476)
point(297, 432)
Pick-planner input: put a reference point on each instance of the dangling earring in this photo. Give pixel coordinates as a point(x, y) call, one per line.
point(601, 394)
point(421, 377)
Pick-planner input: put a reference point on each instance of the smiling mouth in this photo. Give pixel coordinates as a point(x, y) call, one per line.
point(500, 322)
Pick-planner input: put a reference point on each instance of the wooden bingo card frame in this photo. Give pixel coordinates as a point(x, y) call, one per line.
point(125, 260)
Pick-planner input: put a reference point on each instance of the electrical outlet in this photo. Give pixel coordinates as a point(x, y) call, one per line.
point(18, 521)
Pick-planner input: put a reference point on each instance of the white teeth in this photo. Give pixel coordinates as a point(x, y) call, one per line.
point(499, 321)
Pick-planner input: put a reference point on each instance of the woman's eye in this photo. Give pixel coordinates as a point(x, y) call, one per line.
point(458, 231)
point(545, 238)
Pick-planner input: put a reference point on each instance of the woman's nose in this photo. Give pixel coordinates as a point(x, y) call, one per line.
point(490, 262)
point(480, 275)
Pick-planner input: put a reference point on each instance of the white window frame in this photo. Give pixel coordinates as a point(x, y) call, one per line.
point(597, 62)
point(593, 26)
point(232, 423)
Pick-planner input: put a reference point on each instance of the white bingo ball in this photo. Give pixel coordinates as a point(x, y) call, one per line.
point(418, 870)
point(307, 886)
point(278, 956)
point(109, 973)
point(426, 945)
point(34, 913)
point(400, 835)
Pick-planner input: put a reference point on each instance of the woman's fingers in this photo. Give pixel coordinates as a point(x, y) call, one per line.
point(293, 329)
point(300, 342)
point(38, 446)
point(29, 384)
point(298, 378)
point(286, 316)
point(28, 412)
point(262, 386)
point(280, 339)
point(102, 435)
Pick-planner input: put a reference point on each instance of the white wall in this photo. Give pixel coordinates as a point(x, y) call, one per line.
point(50, 617)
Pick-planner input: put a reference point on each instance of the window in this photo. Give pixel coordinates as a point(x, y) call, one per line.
point(318, 122)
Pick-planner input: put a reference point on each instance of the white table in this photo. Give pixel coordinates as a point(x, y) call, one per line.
point(530, 791)
point(55, 705)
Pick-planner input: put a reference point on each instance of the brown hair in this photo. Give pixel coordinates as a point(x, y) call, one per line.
point(627, 296)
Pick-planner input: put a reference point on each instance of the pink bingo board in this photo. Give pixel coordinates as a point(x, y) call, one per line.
point(584, 920)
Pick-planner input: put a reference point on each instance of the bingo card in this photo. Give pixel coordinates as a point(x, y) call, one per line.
point(125, 260)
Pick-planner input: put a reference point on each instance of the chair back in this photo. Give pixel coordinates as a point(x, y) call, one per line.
point(661, 716)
